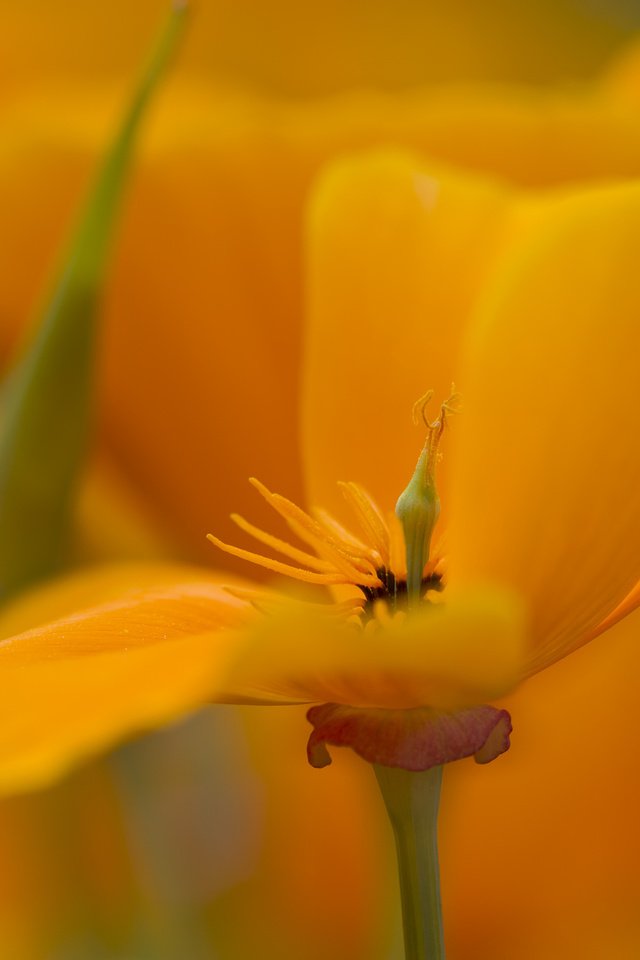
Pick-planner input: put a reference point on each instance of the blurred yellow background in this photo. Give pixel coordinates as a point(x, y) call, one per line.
point(216, 839)
point(315, 48)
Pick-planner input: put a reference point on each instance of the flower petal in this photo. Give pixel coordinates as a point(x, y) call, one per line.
point(564, 802)
point(451, 655)
point(396, 257)
point(96, 586)
point(545, 494)
point(75, 686)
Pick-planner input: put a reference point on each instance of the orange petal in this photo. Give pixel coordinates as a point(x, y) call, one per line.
point(77, 685)
point(545, 494)
point(98, 585)
point(452, 655)
point(559, 812)
point(624, 608)
point(396, 257)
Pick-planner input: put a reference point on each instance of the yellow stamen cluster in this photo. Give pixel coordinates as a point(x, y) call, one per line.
point(339, 556)
point(388, 561)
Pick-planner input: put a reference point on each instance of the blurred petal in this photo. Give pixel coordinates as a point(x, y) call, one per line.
point(534, 138)
point(545, 492)
point(557, 816)
point(316, 827)
point(74, 687)
point(397, 254)
point(93, 586)
point(453, 655)
point(112, 520)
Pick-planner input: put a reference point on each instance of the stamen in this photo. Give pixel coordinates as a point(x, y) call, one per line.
point(307, 576)
point(370, 518)
point(335, 528)
point(286, 549)
point(357, 569)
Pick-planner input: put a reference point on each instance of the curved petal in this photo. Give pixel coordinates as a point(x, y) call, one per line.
point(452, 655)
point(396, 257)
point(626, 606)
point(559, 812)
point(545, 493)
point(96, 586)
point(75, 686)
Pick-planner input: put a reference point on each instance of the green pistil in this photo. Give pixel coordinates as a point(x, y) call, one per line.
point(417, 509)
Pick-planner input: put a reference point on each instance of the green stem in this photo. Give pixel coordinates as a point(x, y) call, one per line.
point(412, 801)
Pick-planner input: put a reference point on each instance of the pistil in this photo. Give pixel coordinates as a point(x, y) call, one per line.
point(418, 506)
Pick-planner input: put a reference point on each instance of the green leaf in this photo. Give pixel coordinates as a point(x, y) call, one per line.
point(47, 399)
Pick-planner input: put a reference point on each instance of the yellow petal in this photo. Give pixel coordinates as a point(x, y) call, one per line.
point(74, 687)
point(547, 805)
point(396, 257)
point(456, 654)
point(94, 586)
point(545, 494)
point(626, 606)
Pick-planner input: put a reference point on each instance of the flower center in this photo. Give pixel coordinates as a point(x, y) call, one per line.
point(388, 560)
point(394, 593)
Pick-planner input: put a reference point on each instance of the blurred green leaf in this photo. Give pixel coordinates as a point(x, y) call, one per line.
point(47, 399)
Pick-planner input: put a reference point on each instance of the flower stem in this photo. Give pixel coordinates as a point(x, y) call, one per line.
point(412, 801)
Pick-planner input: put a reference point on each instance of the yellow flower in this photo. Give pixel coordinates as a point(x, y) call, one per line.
point(538, 493)
point(534, 140)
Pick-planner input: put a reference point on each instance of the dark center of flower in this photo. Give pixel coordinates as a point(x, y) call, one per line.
point(394, 591)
